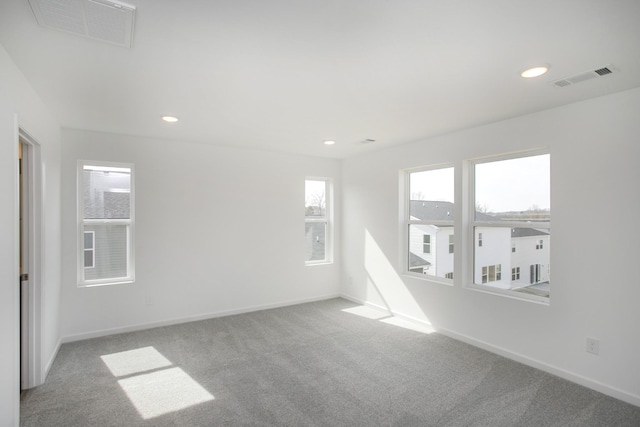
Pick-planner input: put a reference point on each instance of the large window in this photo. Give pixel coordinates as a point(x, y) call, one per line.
point(317, 227)
point(105, 223)
point(512, 203)
point(429, 222)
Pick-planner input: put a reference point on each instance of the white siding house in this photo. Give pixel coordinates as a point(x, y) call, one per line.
point(505, 257)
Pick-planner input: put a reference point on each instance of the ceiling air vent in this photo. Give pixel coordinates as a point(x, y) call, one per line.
point(578, 78)
point(103, 20)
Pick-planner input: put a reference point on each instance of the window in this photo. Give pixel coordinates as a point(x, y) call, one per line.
point(491, 273)
point(515, 273)
point(317, 221)
point(429, 219)
point(514, 195)
point(105, 223)
point(89, 249)
point(426, 244)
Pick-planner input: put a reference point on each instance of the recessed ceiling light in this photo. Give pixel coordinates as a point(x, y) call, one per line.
point(535, 71)
point(170, 119)
point(329, 142)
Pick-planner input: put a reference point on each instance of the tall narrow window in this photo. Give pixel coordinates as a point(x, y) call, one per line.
point(429, 222)
point(105, 226)
point(318, 221)
point(512, 200)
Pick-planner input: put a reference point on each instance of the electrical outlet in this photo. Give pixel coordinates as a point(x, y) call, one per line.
point(593, 345)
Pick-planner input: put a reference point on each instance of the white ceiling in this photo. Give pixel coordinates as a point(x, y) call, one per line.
point(287, 74)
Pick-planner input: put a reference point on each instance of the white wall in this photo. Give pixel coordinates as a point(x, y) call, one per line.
point(17, 100)
point(218, 230)
point(594, 149)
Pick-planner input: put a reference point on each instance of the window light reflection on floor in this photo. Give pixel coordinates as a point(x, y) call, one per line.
point(135, 361)
point(161, 392)
point(384, 316)
point(367, 312)
point(153, 385)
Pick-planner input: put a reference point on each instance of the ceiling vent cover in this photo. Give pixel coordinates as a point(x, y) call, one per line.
point(579, 78)
point(103, 20)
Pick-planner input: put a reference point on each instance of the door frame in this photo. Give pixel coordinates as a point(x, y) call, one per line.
point(32, 327)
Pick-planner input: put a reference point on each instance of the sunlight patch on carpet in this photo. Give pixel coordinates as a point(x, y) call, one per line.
point(153, 384)
point(366, 312)
point(161, 392)
point(413, 326)
point(135, 361)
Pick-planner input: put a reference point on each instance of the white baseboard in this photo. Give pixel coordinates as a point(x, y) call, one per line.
point(526, 360)
point(187, 319)
point(47, 367)
point(562, 373)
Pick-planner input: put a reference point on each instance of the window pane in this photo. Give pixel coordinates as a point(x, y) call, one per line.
point(514, 189)
point(315, 198)
point(532, 258)
point(315, 234)
point(110, 253)
point(106, 193)
point(438, 261)
point(88, 259)
point(431, 195)
point(88, 240)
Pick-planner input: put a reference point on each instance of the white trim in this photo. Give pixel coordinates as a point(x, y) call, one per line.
point(52, 359)
point(14, 324)
point(36, 255)
point(614, 392)
point(562, 373)
point(194, 318)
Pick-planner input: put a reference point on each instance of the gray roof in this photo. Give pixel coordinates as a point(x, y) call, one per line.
point(416, 261)
point(527, 232)
point(426, 210)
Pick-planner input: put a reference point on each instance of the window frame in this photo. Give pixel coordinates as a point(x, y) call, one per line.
point(327, 219)
point(82, 222)
point(473, 224)
point(406, 222)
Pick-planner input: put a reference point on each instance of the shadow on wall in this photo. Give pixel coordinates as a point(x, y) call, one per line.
point(383, 279)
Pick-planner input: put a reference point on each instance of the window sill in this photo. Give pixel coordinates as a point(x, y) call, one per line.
point(508, 293)
point(311, 264)
point(95, 285)
point(427, 278)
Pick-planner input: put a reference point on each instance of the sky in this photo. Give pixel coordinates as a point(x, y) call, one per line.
point(501, 186)
point(314, 190)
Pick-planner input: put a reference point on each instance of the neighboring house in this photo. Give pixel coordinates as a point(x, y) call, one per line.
point(504, 257)
point(431, 247)
point(529, 256)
